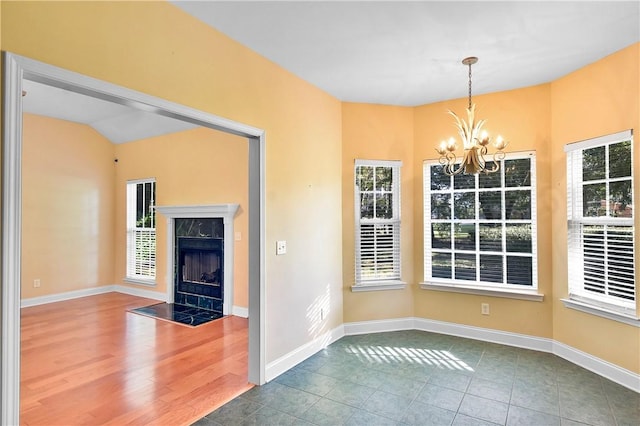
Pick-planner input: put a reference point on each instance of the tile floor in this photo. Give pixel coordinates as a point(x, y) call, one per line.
point(420, 378)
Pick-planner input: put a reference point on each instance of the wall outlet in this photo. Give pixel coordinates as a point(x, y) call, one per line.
point(36, 283)
point(281, 247)
point(484, 308)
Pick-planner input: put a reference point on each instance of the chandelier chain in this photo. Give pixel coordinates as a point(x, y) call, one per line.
point(469, 85)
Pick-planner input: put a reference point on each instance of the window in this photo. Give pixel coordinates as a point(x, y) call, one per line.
point(377, 206)
point(600, 222)
point(141, 231)
point(480, 230)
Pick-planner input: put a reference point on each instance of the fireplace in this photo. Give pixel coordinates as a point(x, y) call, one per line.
point(200, 272)
point(200, 256)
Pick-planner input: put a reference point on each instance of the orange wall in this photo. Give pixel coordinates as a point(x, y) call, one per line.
point(522, 117)
point(68, 205)
point(599, 99)
point(155, 48)
point(193, 167)
point(377, 132)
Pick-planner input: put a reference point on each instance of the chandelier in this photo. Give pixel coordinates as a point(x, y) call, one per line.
point(475, 142)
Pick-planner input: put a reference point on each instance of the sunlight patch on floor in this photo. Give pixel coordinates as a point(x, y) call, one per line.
point(393, 354)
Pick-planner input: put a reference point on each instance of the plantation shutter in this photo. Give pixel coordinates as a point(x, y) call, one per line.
point(600, 236)
point(377, 207)
point(141, 230)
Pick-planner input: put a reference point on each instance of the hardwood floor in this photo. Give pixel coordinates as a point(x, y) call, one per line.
point(88, 361)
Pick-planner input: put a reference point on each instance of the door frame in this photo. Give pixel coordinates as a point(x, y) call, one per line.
point(17, 68)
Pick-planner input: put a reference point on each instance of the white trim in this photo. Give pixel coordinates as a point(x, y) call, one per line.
point(140, 292)
point(381, 163)
point(601, 311)
point(616, 374)
point(379, 286)
point(485, 334)
point(144, 180)
point(75, 294)
point(67, 295)
point(296, 356)
point(139, 281)
point(15, 68)
point(11, 241)
point(600, 140)
point(476, 220)
point(484, 291)
point(371, 237)
point(200, 211)
point(622, 376)
point(240, 311)
point(379, 326)
point(224, 211)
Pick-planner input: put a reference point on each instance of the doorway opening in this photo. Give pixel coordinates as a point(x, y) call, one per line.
point(17, 68)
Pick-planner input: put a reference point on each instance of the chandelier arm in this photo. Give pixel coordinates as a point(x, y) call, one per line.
point(498, 156)
point(448, 161)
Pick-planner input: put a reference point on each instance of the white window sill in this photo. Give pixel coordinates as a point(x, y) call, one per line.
point(484, 291)
point(141, 281)
point(601, 311)
point(379, 286)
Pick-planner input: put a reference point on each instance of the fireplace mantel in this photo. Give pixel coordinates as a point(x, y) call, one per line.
point(225, 211)
point(210, 210)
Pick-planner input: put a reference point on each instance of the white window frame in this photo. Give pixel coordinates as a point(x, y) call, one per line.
point(387, 281)
point(514, 291)
point(579, 297)
point(135, 273)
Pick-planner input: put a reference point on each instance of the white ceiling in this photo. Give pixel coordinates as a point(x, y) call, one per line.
point(387, 52)
point(117, 123)
point(410, 52)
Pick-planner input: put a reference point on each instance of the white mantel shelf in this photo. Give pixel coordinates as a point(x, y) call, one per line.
point(200, 211)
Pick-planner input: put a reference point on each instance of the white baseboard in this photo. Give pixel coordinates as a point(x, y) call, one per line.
point(239, 311)
point(69, 295)
point(293, 358)
point(485, 334)
point(378, 326)
point(141, 292)
point(617, 374)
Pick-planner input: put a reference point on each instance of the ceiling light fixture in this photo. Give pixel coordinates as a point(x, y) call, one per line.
point(475, 141)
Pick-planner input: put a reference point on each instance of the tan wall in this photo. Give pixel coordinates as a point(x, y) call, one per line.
point(155, 48)
point(193, 167)
point(599, 99)
point(377, 132)
point(68, 205)
point(522, 117)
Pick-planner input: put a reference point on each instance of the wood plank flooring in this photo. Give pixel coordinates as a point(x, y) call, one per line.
point(88, 361)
